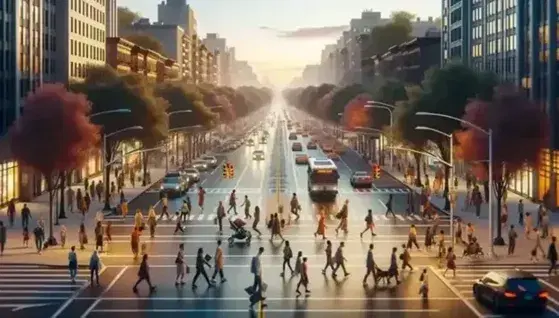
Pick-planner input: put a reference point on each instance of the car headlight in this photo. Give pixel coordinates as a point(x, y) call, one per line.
point(195, 176)
point(162, 188)
point(335, 188)
point(177, 187)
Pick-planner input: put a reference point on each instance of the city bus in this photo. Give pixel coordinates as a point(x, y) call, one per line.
point(322, 178)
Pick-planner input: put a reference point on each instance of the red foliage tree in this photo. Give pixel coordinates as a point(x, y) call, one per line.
point(519, 132)
point(54, 134)
point(355, 114)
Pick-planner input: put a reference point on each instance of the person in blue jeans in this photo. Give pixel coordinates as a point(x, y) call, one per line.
point(39, 238)
point(73, 264)
point(94, 264)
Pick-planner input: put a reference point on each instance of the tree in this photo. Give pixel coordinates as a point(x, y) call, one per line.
point(389, 92)
point(146, 41)
point(54, 134)
point(385, 36)
point(519, 132)
point(403, 18)
point(126, 17)
point(341, 98)
point(355, 114)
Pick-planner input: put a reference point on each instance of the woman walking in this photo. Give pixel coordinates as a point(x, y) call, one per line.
point(143, 274)
point(275, 228)
point(73, 264)
point(342, 216)
point(329, 260)
point(82, 237)
point(450, 262)
point(99, 237)
point(369, 224)
point(181, 266)
point(428, 238)
point(321, 228)
point(135, 242)
point(152, 222)
point(139, 220)
point(218, 257)
point(256, 220)
point(200, 269)
point(287, 256)
point(412, 237)
point(304, 279)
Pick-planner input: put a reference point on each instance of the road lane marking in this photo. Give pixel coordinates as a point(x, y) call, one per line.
point(456, 292)
point(111, 285)
point(76, 294)
point(399, 217)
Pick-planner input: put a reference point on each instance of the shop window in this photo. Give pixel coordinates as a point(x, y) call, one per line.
point(9, 182)
point(545, 172)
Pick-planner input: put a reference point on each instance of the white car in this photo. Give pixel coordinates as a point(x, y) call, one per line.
point(192, 174)
point(361, 178)
point(258, 155)
point(211, 160)
point(174, 184)
point(200, 165)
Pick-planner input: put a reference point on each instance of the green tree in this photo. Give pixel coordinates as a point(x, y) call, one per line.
point(389, 92)
point(146, 41)
point(383, 37)
point(126, 17)
point(403, 18)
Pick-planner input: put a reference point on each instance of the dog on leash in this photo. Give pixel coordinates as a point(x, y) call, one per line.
point(382, 276)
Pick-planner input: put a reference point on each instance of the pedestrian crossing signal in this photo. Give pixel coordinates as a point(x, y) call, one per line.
point(376, 171)
point(228, 171)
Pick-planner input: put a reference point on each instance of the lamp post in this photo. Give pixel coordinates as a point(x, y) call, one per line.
point(489, 134)
point(170, 130)
point(113, 111)
point(390, 109)
point(105, 163)
point(451, 166)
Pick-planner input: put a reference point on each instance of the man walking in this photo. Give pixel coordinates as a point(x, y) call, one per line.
point(220, 216)
point(340, 260)
point(295, 206)
point(370, 265)
point(389, 207)
point(512, 240)
point(256, 270)
point(25, 216)
point(246, 205)
point(3, 236)
point(165, 208)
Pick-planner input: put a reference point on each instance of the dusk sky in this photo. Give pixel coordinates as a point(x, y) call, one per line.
point(280, 37)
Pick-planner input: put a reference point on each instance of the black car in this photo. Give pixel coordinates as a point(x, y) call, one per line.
point(511, 290)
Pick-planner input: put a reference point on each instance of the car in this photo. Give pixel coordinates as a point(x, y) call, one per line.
point(301, 159)
point(513, 289)
point(193, 174)
point(292, 136)
point(305, 134)
point(258, 155)
point(332, 155)
point(200, 165)
point(211, 160)
point(361, 178)
point(297, 146)
point(250, 142)
point(311, 145)
point(327, 147)
point(266, 133)
point(174, 184)
point(263, 141)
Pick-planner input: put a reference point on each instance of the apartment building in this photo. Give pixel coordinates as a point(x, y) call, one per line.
point(218, 46)
point(112, 18)
point(177, 12)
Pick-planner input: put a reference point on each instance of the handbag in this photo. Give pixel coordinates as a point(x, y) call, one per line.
point(187, 269)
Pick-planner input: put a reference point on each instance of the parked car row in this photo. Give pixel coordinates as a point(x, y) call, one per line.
point(176, 183)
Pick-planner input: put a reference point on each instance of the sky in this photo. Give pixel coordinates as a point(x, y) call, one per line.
point(279, 37)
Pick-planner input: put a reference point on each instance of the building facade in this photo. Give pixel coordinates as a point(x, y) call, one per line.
point(218, 46)
point(177, 12)
point(516, 40)
point(112, 18)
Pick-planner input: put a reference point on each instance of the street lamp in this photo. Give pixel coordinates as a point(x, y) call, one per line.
point(167, 142)
point(113, 111)
point(105, 163)
point(451, 177)
point(390, 109)
point(489, 134)
point(391, 146)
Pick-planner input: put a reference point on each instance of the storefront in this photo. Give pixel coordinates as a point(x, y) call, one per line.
point(522, 182)
point(544, 175)
point(9, 181)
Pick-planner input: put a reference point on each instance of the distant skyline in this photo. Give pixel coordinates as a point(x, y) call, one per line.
point(279, 37)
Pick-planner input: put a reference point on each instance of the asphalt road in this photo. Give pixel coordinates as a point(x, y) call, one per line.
point(265, 183)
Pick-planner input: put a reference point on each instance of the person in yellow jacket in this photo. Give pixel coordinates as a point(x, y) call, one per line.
point(218, 258)
point(138, 219)
point(124, 208)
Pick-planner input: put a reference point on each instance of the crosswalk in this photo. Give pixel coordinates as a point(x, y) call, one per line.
point(304, 217)
point(299, 190)
point(30, 281)
point(466, 276)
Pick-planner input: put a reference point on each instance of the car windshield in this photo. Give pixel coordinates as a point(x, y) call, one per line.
point(208, 158)
point(191, 171)
point(530, 285)
point(258, 153)
point(198, 161)
point(172, 180)
point(361, 174)
point(250, 140)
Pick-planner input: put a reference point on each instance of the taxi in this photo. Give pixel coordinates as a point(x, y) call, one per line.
point(301, 159)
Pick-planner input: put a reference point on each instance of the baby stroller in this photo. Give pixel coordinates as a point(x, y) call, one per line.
point(239, 232)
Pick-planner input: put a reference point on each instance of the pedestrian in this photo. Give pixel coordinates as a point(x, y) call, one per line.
point(321, 227)
point(25, 216)
point(458, 232)
point(220, 214)
point(528, 225)
point(135, 242)
point(109, 231)
point(92, 189)
point(428, 238)
point(185, 211)
point(441, 245)
point(552, 256)
point(25, 237)
point(329, 259)
point(295, 206)
point(412, 237)
point(393, 268)
point(218, 258)
point(99, 189)
point(287, 256)
point(70, 198)
point(181, 266)
point(256, 270)
point(113, 192)
point(87, 204)
point(477, 200)
point(538, 246)
point(3, 238)
point(388, 205)
point(82, 236)
point(512, 240)
point(200, 269)
point(424, 288)
point(85, 184)
point(275, 228)
point(99, 237)
point(178, 226)
point(470, 231)
point(342, 216)
point(340, 260)
point(94, 264)
point(63, 235)
point(232, 202)
point(450, 262)
point(143, 274)
point(406, 258)
point(246, 205)
point(73, 264)
point(164, 208)
point(298, 262)
point(124, 208)
point(39, 234)
point(255, 221)
point(369, 224)
point(139, 220)
point(520, 208)
point(370, 266)
point(152, 221)
point(201, 196)
point(12, 212)
point(545, 224)
point(304, 278)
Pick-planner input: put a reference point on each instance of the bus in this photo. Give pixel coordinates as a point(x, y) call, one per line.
point(322, 178)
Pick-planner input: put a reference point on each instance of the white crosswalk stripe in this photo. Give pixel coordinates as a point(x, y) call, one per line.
point(248, 191)
point(466, 276)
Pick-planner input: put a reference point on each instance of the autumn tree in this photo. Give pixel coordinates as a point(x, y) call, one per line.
point(355, 114)
point(385, 36)
point(54, 134)
point(146, 41)
point(519, 132)
point(126, 17)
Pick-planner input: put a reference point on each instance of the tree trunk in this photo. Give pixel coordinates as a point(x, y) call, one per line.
point(446, 192)
point(51, 240)
point(417, 180)
point(62, 206)
point(145, 168)
point(107, 180)
point(500, 187)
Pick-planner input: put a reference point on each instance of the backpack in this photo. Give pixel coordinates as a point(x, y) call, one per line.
point(253, 265)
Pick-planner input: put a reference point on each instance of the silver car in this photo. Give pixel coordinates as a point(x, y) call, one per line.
point(361, 178)
point(200, 165)
point(193, 174)
point(211, 160)
point(174, 184)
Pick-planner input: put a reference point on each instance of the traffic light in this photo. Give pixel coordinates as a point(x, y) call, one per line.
point(376, 171)
point(225, 172)
point(228, 171)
